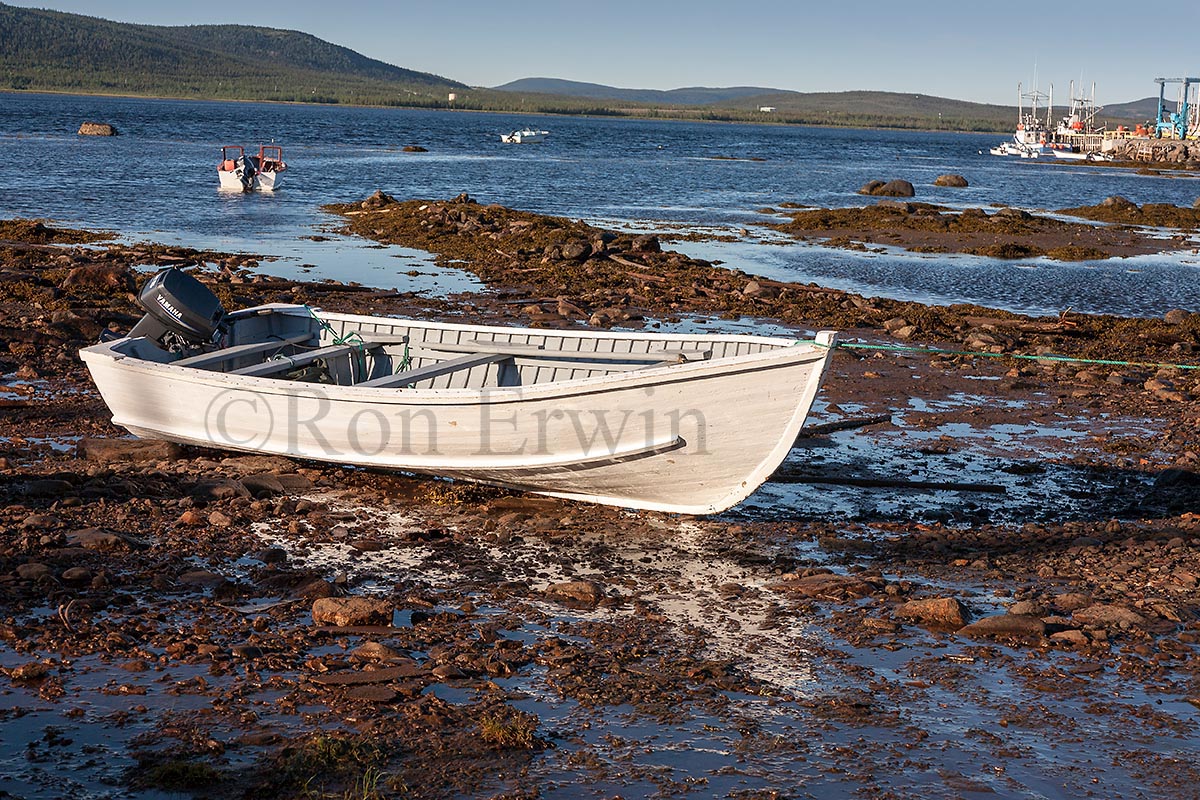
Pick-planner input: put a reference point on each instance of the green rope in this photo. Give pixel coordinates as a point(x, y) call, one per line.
point(405, 360)
point(895, 348)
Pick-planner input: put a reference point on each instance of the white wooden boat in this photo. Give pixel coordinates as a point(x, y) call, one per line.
point(239, 172)
point(524, 136)
point(680, 423)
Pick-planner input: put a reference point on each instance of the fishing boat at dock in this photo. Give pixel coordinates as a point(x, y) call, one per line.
point(689, 423)
point(1032, 135)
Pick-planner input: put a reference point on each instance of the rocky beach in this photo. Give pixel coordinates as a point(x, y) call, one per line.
point(979, 576)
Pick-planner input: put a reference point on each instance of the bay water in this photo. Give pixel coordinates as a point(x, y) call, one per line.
point(157, 181)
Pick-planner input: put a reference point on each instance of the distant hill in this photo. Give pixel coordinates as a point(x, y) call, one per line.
point(891, 109)
point(57, 51)
point(693, 96)
point(53, 51)
point(1137, 111)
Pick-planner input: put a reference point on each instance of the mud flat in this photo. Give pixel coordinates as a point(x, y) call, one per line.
point(975, 577)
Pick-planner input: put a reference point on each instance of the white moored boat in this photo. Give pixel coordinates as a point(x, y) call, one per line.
point(524, 136)
point(681, 423)
point(239, 172)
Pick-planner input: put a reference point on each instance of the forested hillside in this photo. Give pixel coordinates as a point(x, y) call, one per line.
point(68, 52)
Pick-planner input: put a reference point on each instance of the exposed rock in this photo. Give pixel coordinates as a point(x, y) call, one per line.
point(97, 129)
point(40, 522)
point(366, 676)
point(896, 205)
point(346, 611)
point(1005, 626)
point(372, 694)
point(96, 539)
point(135, 451)
point(1070, 638)
point(645, 243)
point(572, 251)
point(1108, 616)
point(1072, 601)
point(943, 612)
point(827, 585)
point(414, 148)
point(951, 180)
point(32, 572)
point(1176, 316)
point(76, 574)
point(896, 188)
point(585, 592)
point(219, 519)
point(375, 651)
point(1014, 214)
point(379, 199)
point(201, 577)
point(47, 487)
point(448, 672)
point(99, 278)
point(1028, 608)
point(246, 651)
point(252, 465)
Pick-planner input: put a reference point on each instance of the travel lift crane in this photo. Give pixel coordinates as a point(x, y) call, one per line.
point(1180, 123)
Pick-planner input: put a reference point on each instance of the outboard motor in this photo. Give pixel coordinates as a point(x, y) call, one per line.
point(181, 312)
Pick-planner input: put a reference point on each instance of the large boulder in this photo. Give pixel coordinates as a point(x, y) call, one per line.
point(951, 180)
point(97, 129)
point(897, 188)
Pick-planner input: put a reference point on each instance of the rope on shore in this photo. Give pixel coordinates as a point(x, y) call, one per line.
point(896, 348)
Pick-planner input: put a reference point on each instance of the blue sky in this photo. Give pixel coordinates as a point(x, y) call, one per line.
point(962, 49)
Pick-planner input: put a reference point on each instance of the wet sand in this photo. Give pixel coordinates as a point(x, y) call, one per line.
point(976, 576)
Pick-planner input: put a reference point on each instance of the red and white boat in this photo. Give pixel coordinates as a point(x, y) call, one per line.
point(241, 173)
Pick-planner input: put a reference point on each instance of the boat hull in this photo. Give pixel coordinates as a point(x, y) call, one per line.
point(260, 182)
point(692, 438)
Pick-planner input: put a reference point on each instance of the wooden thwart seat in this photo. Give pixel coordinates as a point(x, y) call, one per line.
point(277, 365)
point(433, 370)
point(218, 357)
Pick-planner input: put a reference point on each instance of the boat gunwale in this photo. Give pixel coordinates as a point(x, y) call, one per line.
point(785, 353)
point(655, 375)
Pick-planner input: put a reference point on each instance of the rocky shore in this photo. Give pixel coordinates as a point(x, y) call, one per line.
point(978, 576)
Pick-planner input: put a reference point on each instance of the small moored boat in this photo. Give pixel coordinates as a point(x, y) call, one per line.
point(684, 423)
point(524, 136)
point(242, 173)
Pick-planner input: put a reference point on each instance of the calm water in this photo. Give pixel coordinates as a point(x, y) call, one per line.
point(156, 181)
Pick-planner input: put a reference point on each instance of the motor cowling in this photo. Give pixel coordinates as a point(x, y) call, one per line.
point(181, 312)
